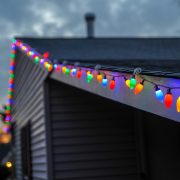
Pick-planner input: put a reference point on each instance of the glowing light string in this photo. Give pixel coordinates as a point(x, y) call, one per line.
point(34, 56)
point(101, 77)
point(76, 71)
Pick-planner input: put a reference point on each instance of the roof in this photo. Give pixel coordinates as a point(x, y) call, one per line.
point(93, 51)
point(159, 54)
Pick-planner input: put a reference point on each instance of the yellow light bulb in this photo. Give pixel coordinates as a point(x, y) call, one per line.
point(178, 104)
point(8, 164)
point(64, 69)
point(128, 83)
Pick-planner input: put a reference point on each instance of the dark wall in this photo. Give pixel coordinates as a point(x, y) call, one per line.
point(92, 138)
point(4, 149)
point(163, 147)
point(29, 107)
point(95, 138)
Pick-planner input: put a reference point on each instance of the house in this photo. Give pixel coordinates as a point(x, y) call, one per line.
point(69, 126)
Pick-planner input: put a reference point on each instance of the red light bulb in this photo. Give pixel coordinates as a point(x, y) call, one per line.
point(12, 63)
point(58, 68)
point(168, 99)
point(11, 81)
point(46, 55)
point(112, 84)
point(18, 43)
point(13, 51)
point(79, 74)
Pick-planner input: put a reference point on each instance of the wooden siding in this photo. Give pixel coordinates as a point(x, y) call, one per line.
point(29, 106)
point(92, 138)
point(162, 147)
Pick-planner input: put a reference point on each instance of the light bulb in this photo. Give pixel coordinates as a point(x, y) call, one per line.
point(50, 67)
point(67, 71)
point(99, 78)
point(64, 69)
point(46, 55)
point(127, 83)
point(139, 87)
point(79, 74)
point(132, 82)
point(168, 99)
point(13, 40)
point(73, 72)
point(104, 81)
point(89, 76)
point(36, 59)
point(178, 104)
point(58, 68)
point(112, 84)
point(159, 94)
point(45, 64)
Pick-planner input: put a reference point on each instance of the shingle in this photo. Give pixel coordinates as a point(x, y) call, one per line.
point(150, 53)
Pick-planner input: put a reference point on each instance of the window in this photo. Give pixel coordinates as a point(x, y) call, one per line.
point(26, 151)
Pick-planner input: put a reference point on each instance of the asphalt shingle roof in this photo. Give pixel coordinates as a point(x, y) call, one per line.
point(149, 53)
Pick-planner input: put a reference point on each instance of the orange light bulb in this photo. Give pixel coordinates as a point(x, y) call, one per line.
point(139, 87)
point(178, 104)
point(99, 78)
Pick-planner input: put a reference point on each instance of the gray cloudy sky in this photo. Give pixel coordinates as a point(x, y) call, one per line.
point(65, 18)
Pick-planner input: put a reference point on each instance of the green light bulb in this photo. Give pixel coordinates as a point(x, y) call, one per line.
point(7, 123)
point(10, 92)
point(36, 59)
point(132, 83)
point(8, 108)
point(12, 55)
point(89, 77)
point(67, 72)
point(13, 40)
point(12, 76)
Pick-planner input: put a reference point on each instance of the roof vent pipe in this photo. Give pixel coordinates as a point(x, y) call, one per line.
point(90, 17)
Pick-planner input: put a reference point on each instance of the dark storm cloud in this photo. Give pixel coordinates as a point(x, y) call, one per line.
point(65, 18)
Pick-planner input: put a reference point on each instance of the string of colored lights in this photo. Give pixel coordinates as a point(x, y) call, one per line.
point(76, 71)
point(7, 122)
point(131, 83)
point(33, 55)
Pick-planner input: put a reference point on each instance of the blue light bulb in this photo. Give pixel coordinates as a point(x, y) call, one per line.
point(12, 68)
point(159, 94)
point(104, 81)
point(74, 71)
point(55, 66)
